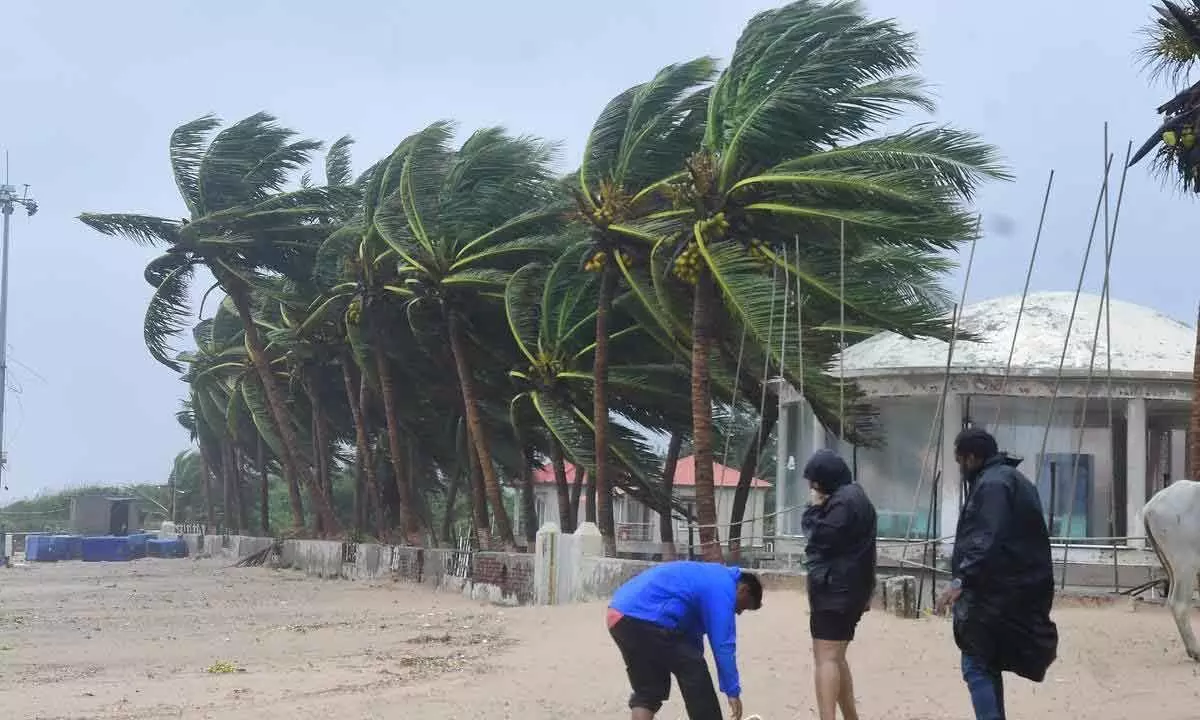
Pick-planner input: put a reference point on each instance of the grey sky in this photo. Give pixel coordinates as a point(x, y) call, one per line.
point(92, 90)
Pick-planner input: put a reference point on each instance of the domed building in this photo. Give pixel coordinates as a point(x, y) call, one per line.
point(1120, 432)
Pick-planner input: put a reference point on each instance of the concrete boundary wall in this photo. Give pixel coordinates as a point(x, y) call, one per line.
point(497, 577)
point(565, 568)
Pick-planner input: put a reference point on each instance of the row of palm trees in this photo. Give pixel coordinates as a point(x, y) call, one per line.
point(457, 315)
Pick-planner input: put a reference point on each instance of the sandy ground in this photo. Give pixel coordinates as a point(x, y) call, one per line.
point(138, 640)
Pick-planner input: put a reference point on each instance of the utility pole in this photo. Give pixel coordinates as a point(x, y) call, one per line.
point(8, 203)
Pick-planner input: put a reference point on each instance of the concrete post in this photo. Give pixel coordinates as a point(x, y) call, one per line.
point(546, 564)
point(588, 537)
point(951, 488)
point(1135, 470)
point(900, 596)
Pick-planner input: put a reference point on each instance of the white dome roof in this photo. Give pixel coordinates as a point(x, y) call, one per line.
point(1144, 341)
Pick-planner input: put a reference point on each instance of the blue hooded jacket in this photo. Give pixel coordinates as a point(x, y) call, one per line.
point(695, 599)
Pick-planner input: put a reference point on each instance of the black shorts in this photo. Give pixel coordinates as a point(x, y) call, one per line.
point(833, 625)
point(652, 655)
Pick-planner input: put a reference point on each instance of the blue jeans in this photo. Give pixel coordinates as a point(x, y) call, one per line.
point(986, 688)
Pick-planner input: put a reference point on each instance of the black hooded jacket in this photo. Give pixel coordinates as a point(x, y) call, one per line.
point(1002, 556)
point(840, 555)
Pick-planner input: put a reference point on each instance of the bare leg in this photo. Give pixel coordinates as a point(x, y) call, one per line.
point(641, 714)
point(829, 658)
point(1183, 580)
point(846, 691)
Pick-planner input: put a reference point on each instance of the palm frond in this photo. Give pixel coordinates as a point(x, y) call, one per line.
point(249, 160)
point(187, 150)
point(145, 230)
point(337, 162)
point(943, 156)
point(803, 77)
point(168, 312)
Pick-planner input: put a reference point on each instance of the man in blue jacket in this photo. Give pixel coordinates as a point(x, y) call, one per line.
point(659, 620)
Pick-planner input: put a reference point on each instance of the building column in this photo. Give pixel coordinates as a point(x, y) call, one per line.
point(785, 460)
point(1178, 455)
point(1135, 469)
point(818, 433)
point(951, 489)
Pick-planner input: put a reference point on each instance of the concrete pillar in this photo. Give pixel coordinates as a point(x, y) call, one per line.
point(1135, 469)
point(786, 460)
point(951, 489)
point(1178, 455)
point(546, 564)
point(589, 540)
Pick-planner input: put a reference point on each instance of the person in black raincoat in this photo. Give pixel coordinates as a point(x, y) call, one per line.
point(840, 526)
point(1003, 582)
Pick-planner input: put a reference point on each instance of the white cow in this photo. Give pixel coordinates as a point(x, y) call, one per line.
point(1172, 519)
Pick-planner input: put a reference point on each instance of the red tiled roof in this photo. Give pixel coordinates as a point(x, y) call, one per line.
point(685, 475)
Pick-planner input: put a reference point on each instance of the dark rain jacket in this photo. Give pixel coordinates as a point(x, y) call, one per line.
point(1002, 556)
point(840, 555)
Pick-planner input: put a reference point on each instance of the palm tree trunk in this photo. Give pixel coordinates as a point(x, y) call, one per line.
point(238, 498)
point(364, 466)
point(746, 477)
point(209, 468)
point(478, 434)
point(528, 506)
point(666, 525)
point(227, 515)
point(379, 497)
point(479, 510)
point(264, 489)
point(702, 428)
point(292, 457)
point(319, 450)
point(451, 499)
point(576, 495)
point(604, 504)
point(206, 469)
point(409, 527)
point(1194, 421)
point(589, 502)
point(295, 502)
point(565, 518)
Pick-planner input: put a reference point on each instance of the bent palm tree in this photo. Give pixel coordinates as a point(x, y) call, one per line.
point(241, 222)
point(460, 221)
point(784, 161)
point(639, 140)
point(551, 313)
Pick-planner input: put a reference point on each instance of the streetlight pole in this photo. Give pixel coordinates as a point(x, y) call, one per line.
point(8, 202)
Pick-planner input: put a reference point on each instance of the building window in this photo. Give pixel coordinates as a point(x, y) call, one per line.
point(1066, 517)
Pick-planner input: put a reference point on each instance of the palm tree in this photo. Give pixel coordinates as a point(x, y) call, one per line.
point(551, 312)
point(460, 222)
point(785, 161)
point(1172, 49)
point(241, 222)
point(639, 140)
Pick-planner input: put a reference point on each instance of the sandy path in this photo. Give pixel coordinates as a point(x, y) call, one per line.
point(134, 641)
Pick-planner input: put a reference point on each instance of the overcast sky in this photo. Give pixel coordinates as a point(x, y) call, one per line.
point(89, 93)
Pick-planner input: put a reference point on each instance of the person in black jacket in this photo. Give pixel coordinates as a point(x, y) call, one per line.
point(1003, 583)
point(840, 526)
